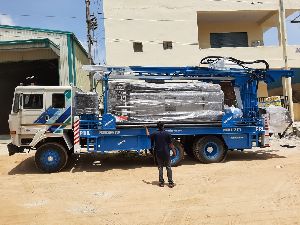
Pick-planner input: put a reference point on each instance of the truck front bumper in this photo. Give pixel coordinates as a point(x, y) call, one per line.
point(12, 149)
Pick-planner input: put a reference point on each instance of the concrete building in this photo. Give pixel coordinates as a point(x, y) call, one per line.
point(52, 57)
point(180, 33)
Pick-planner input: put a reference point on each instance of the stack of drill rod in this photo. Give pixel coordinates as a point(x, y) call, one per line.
point(170, 102)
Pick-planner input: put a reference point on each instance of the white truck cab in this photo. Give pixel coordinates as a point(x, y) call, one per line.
point(42, 119)
point(39, 111)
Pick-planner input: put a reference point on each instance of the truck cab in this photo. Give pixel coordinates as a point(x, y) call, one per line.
point(36, 109)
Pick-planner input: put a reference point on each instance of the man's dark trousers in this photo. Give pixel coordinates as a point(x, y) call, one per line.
point(161, 163)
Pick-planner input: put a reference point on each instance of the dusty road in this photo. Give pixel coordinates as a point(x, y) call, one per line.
point(261, 187)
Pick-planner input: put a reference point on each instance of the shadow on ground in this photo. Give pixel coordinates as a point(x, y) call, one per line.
point(91, 163)
point(252, 155)
point(102, 163)
point(156, 183)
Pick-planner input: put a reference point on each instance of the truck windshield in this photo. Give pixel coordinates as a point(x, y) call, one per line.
point(16, 106)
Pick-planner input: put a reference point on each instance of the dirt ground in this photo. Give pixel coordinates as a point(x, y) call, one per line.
point(251, 187)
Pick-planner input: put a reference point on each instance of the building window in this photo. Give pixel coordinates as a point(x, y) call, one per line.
point(231, 39)
point(58, 101)
point(167, 45)
point(137, 46)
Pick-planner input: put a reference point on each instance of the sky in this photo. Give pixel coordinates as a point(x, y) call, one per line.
point(69, 15)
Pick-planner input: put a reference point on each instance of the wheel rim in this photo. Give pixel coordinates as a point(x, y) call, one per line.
point(174, 159)
point(50, 158)
point(211, 150)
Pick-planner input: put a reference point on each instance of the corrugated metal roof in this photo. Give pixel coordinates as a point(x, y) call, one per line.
point(35, 29)
point(31, 43)
point(47, 31)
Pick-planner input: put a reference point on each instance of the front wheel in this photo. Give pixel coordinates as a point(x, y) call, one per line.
point(51, 157)
point(176, 160)
point(209, 149)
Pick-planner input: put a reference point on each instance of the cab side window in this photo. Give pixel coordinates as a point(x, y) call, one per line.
point(32, 101)
point(58, 101)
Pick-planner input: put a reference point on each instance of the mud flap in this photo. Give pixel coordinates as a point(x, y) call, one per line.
point(12, 149)
point(266, 136)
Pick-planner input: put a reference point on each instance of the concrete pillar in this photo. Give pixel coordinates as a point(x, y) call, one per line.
point(286, 82)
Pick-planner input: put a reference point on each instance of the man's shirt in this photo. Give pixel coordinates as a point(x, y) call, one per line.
point(161, 141)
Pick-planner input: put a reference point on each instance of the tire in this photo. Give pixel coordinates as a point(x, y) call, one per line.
point(51, 157)
point(209, 149)
point(176, 160)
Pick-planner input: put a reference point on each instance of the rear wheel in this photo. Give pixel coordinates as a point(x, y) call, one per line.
point(176, 160)
point(209, 149)
point(51, 157)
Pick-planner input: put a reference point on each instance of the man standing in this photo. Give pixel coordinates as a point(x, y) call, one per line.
point(161, 142)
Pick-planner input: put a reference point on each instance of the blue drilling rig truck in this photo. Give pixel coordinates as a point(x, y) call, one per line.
point(60, 121)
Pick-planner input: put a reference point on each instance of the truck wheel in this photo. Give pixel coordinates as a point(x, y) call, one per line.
point(51, 157)
point(209, 149)
point(176, 160)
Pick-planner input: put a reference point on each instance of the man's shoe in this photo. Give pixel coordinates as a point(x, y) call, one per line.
point(161, 184)
point(171, 184)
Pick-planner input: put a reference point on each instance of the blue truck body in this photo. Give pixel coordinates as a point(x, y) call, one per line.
point(106, 134)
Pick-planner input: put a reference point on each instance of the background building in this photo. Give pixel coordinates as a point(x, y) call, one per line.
point(180, 33)
point(48, 57)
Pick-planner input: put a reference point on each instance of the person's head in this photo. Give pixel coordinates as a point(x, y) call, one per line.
point(160, 125)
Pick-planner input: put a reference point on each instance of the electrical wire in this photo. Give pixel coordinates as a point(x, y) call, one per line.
point(100, 32)
point(149, 41)
point(99, 12)
point(295, 19)
point(46, 16)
